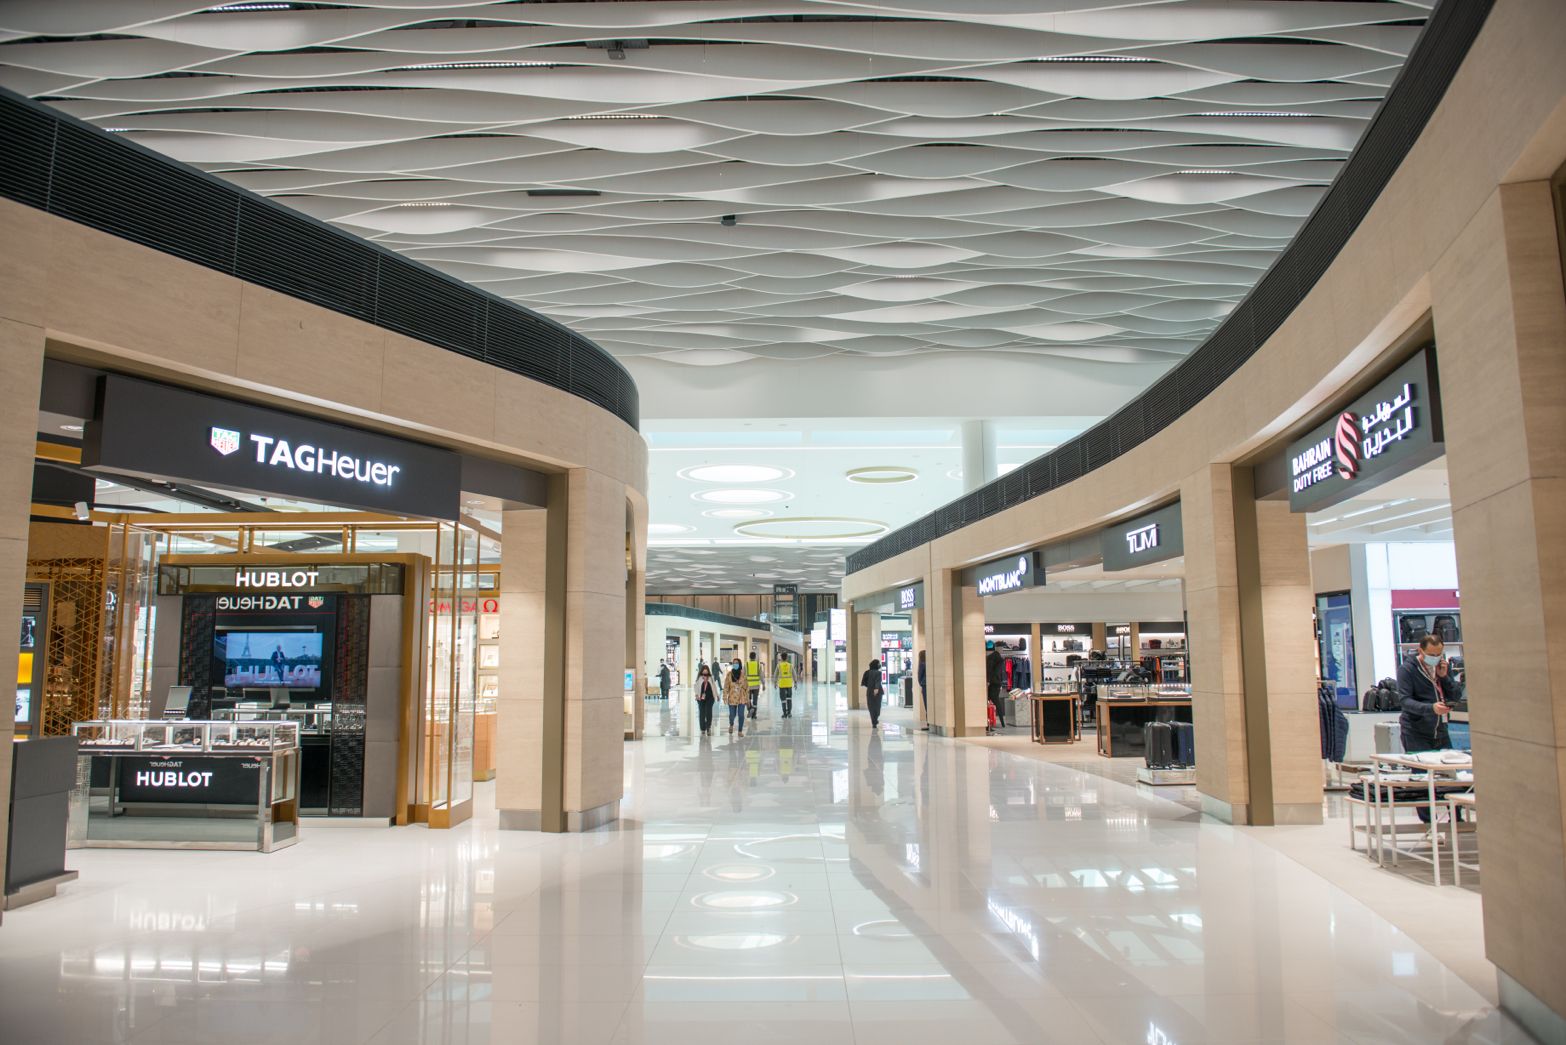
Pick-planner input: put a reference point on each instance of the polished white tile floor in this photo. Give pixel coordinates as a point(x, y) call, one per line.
point(814, 884)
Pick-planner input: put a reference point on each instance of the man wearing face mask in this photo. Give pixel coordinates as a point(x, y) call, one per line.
point(1425, 689)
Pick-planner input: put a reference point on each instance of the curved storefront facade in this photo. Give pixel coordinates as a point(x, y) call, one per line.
point(118, 335)
point(1454, 276)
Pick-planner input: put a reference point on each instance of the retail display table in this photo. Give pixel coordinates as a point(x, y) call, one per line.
point(1057, 716)
point(1124, 711)
point(1433, 776)
point(186, 785)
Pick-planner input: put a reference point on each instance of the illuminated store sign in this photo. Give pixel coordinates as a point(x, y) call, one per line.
point(1012, 573)
point(1391, 429)
point(911, 597)
point(276, 578)
point(161, 432)
point(1153, 537)
point(269, 602)
point(196, 779)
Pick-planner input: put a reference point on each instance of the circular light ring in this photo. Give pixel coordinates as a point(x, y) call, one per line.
point(737, 513)
point(741, 496)
point(879, 474)
point(827, 528)
point(734, 473)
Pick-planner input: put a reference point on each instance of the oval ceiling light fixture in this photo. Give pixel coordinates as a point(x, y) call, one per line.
point(737, 513)
point(813, 528)
point(741, 496)
point(665, 529)
point(735, 473)
point(892, 473)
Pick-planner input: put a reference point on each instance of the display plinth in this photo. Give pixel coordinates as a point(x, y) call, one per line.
point(1166, 777)
point(186, 785)
point(1124, 710)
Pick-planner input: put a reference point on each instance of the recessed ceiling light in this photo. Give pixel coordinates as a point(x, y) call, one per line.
point(73, 428)
point(735, 473)
point(1207, 170)
point(667, 528)
point(1262, 114)
point(425, 203)
point(741, 496)
point(736, 513)
point(762, 558)
point(882, 474)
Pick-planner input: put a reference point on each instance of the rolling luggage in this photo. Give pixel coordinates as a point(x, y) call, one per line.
point(1158, 739)
point(1184, 743)
point(989, 710)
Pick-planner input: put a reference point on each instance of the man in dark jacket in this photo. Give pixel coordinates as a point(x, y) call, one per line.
point(994, 676)
point(1424, 690)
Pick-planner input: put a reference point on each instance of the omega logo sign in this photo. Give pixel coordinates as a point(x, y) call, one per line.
point(1005, 580)
point(1142, 539)
point(277, 453)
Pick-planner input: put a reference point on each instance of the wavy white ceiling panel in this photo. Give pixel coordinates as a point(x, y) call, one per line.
point(710, 183)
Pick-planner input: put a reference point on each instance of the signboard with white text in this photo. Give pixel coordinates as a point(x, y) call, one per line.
point(1149, 538)
point(1007, 574)
point(161, 432)
point(1392, 429)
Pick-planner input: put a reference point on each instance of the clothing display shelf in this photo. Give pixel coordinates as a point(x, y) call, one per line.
point(188, 737)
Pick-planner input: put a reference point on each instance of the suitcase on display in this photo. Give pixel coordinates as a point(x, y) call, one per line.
point(1389, 739)
point(1158, 739)
point(1184, 743)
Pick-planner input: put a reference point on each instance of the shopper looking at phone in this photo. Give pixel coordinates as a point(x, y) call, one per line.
point(1424, 690)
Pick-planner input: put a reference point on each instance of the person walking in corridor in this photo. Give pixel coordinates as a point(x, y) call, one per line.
point(753, 677)
point(706, 699)
point(736, 697)
point(873, 690)
point(663, 681)
point(785, 681)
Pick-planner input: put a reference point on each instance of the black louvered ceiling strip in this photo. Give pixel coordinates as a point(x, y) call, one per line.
point(58, 163)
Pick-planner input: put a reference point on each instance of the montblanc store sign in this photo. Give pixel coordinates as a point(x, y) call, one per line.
point(1392, 429)
point(1008, 574)
point(1153, 537)
point(161, 432)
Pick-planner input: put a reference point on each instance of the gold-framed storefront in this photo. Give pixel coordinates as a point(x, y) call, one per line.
point(102, 580)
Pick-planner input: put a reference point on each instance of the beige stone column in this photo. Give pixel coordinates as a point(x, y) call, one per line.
point(920, 638)
point(956, 671)
point(1500, 324)
point(636, 615)
point(1100, 640)
point(21, 361)
point(1248, 597)
point(865, 630)
point(561, 729)
point(1035, 658)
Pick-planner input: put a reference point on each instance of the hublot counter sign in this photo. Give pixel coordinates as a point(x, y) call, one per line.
point(162, 432)
point(1007, 574)
point(1393, 428)
point(270, 587)
point(192, 780)
point(1153, 537)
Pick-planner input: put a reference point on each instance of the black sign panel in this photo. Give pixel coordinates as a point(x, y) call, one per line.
point(190, 779)
point(785, 605)
point(1153, 537)
point(1392, 429)
point(1007, 574)
point(161, 432)
point(910, 598)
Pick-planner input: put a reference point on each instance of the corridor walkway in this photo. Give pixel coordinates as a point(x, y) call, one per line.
point(815, 884)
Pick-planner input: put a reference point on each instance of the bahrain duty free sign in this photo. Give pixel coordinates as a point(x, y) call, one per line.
point(161, 432)
point(1392, 429)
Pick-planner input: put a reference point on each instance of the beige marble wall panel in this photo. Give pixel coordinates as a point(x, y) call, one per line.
point(461, 399)
point(520, 707)
point(1289, 650)
point(287, 343)
point(24, 263)
point(108, 291)
point(597, 559)
point(974, 718)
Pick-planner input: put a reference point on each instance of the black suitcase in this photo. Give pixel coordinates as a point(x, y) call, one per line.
point(1184, 743)
point(1159, 741)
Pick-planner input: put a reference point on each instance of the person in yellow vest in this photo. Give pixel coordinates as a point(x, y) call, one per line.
point(753, 681)
point(785, 681)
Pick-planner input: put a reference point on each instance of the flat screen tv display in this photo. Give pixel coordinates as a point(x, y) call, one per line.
point(288, 659)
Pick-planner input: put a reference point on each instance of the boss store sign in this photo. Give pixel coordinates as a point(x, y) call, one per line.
point(910, 598)
point(1153, 537)
point(161, 432)
point(1011, 573)
point(1393, 428)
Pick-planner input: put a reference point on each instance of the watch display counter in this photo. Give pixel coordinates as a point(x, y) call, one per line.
point(1125, 709)
point(186, 785)
point(1057, 713)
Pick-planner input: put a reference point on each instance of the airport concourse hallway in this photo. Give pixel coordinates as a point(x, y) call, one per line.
point(816, 883)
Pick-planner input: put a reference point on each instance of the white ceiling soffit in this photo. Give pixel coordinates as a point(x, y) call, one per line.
point(1082, 180)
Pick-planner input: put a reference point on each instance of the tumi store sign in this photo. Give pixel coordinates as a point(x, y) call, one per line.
point(160, 432)
point(1153, 537)
point(1392, 429)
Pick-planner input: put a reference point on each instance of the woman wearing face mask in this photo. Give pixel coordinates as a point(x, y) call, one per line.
point(706, 697)
point(1426, 688)
point(737, 696)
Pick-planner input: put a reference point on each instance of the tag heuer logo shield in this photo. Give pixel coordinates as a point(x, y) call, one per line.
point(225, 440)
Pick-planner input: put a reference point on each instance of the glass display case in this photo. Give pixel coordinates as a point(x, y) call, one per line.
point(186, 784)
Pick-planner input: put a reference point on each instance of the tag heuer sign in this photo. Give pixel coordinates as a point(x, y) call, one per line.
point(225, 440)
point(161, 432)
